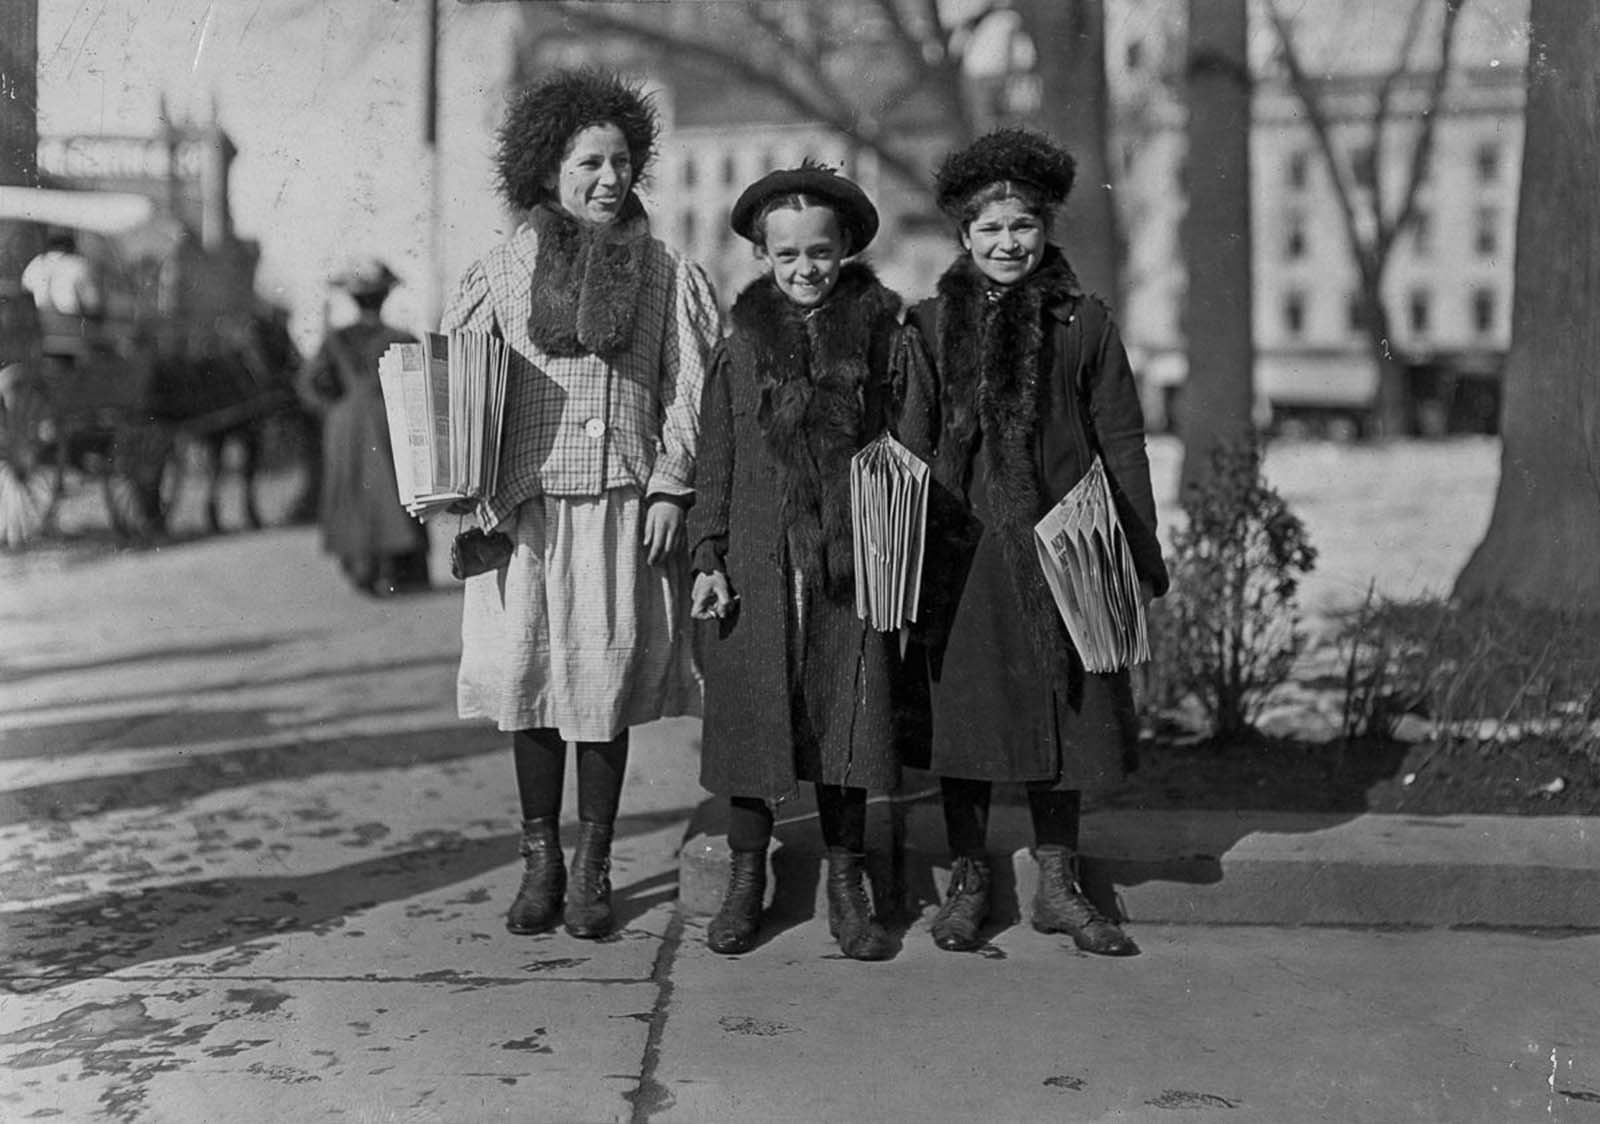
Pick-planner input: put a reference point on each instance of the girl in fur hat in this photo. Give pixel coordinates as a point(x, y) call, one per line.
point(584, 632)
point(1031, 382)
point(797, 687)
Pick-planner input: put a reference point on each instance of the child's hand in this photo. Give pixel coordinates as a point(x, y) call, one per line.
point(712, 597)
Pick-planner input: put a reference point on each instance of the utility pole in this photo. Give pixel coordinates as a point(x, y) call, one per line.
point(19, 125)
point(430, 139)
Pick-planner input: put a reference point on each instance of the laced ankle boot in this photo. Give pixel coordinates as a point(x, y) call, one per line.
point(544, 878)
point(733, 930)
point(1060, 906)
point(966, 905)
point(849, 913)
point(588, 912)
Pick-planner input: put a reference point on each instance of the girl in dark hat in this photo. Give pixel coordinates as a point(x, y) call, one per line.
point(797, 686)
point(584, 632)
point(382, 549)
point(1030, 383)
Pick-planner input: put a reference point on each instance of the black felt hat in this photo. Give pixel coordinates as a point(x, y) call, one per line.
point(858, 218)
point(1005, 156)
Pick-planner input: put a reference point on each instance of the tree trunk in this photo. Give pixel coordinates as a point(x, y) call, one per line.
point(1219, 391)
point(1543, 542)
point(19, 124)
point(1391, 413)
point(1074, 108)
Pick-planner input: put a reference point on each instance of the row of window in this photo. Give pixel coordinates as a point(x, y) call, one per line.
point(1488, 161)
point(1419, 312)
point(726, 170)
point(1485, 234)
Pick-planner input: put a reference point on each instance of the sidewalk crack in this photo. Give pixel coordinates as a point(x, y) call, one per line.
point(650, 1096)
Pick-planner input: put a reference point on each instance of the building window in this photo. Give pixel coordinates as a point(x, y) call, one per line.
point(1355, 312)
point(688, 230)
point(688, 171)
point(1487, 160)
point(730, 170)
point(1483, 311)
point(1418, 311)
point(1422, 233)
point(1487, 239)
point(1134, 54)
point(1294, 313)
point(1299, 170)
point(1363, 166)
point(1294, 244)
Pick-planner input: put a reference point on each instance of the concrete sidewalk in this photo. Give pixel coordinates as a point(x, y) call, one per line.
point(252, 869)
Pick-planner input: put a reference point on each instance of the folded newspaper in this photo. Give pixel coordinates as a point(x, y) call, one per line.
point(1090, 570)
point(889, 512)
point(445, 401)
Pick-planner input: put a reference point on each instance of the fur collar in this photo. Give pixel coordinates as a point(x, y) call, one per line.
point(990, 357)
point(586, 281)
point(820, 382)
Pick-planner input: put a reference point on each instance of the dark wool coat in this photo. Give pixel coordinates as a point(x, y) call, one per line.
point(363, 522)
point(796, 686)
point(1028, 383)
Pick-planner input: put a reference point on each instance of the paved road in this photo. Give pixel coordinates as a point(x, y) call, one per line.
point(253, 870)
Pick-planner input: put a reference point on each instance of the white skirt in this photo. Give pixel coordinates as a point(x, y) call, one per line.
point(579, 632)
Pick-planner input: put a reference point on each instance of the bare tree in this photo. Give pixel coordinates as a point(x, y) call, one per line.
point(1372, 227)
point(1544, 536)
point(1219, 390)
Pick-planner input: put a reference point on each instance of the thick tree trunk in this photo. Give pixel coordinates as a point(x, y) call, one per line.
point(19, 123)
point(1219, 391)
point(1543, 542)
point(1069, 36)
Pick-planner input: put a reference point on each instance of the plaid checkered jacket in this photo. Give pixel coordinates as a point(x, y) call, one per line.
point(578, 426)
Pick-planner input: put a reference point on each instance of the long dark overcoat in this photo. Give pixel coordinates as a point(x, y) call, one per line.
point(796, 686)
point(1028, 382)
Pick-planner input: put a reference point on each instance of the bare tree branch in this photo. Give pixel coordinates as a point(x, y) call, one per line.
point(1385, 105)
point(1422, 152)
point(839, 118)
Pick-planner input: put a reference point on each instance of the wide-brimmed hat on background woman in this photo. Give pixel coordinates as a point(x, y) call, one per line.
point(542, 119)
point(1005, 156)
point(365, 277)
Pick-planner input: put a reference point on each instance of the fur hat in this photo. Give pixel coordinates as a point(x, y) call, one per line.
point(1005, 155)
point(366, 277)
point(543, 118)
point(858, 218)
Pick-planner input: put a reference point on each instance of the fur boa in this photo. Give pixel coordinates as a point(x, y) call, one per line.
point(819, 401)
point(989, 359)
point(586, 281)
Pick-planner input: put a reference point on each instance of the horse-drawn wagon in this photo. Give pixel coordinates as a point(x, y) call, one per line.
point(128, 400)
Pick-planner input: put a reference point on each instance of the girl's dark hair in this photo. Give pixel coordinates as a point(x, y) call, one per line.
point(1032, 199)
point(800, 201)
point(543, 118)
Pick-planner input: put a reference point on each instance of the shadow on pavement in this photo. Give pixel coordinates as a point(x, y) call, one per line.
point(241, 646)
point(56, 945)
point(214, 772)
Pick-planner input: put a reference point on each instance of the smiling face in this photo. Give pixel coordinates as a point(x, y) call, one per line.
point(805, 250)
point(595, 174)
point(1006, 240)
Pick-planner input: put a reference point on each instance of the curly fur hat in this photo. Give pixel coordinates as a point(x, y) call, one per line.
point(544, 117)
point(1020, 155)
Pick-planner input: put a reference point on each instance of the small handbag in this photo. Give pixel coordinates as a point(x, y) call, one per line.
point(476, 551)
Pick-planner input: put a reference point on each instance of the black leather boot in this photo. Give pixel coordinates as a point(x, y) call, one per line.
point(849, 913)
point(733, 929)
point(966, 905)
point(544, 878)
point(588, 912)
point(1060, 906)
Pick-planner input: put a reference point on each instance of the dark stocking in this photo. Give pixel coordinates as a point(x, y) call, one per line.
point(601, 768)
point(540, 756)
point(966, 815)
point(749, 824)
point(1055, 816)
point(842, 812)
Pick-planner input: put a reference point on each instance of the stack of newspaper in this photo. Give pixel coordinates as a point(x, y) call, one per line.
point(1090, 571)
point(445, 400)
point(889, 510)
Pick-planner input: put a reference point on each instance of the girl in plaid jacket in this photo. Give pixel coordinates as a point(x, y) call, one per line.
point(585, 631)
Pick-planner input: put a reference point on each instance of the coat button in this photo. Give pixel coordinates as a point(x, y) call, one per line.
point(594, 428)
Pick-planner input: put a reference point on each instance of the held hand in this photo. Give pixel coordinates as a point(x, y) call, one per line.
point(711, 598)
point(663, 529)
point(1147, 592)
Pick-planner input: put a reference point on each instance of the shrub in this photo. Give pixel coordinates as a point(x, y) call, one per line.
point(1482, 673)
point(1228, 632)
